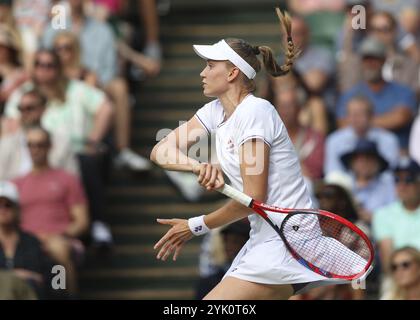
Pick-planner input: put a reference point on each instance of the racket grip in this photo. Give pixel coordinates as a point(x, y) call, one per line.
point(236, 195)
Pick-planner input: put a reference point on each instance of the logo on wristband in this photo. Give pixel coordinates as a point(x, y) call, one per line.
point(198, 229)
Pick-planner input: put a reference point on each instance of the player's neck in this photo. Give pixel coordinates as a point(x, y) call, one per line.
point(231, 99)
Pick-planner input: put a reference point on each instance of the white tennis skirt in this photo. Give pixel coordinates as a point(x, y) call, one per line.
point(270, 262)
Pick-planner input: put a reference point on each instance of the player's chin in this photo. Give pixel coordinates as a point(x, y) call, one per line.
point(208, 93)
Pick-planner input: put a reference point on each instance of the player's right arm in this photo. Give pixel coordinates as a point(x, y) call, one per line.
point(170, 153)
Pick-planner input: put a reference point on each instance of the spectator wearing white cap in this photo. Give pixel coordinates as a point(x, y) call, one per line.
point(21, 254)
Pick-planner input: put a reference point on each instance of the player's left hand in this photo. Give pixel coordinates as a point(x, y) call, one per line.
point(174, 239)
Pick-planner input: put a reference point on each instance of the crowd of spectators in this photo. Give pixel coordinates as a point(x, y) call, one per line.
point(351, 109)
point(65, 109)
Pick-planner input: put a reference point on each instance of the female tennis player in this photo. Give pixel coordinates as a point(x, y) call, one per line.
point(255, 152)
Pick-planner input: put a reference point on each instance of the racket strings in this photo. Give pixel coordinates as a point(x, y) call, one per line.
point(326, 243)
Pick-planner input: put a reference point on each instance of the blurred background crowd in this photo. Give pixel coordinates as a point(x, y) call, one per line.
point(67, 97)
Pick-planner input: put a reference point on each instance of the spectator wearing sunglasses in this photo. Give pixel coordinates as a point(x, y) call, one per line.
point(398, 66)
point(394, 104)
point(406, 12)
point(405, 275)
point(67, 46)
point(15, 160)
point(83, 114)
point(401, 63)
point(99, 54)
point(53, 206)
point(397, 225)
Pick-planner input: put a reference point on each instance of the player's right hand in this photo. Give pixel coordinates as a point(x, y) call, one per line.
point(209, 176)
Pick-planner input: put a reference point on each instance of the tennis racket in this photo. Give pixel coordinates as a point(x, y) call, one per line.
point(321, 241)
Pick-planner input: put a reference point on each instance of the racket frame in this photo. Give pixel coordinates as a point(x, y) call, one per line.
point(259, 207)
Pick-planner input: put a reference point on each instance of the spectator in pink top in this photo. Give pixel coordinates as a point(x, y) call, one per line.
point(53, 205)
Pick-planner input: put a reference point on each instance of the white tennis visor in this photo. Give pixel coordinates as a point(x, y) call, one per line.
point(221, 51)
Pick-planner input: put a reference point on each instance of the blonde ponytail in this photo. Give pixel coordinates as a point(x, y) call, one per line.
point(249, 53)
point(291, 53)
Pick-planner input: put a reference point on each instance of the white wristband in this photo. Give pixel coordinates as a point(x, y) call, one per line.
point(197, 226)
